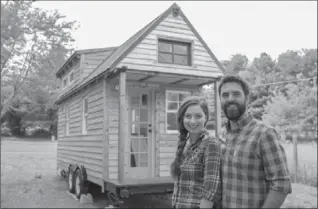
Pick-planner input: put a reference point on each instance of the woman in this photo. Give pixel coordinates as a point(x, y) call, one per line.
point(196, 167)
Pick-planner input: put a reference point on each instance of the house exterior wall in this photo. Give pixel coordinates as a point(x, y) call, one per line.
point(113, 130)
point(92, 60)
point(145, 55)
point(79, 148)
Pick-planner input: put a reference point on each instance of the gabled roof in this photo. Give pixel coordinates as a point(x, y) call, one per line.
point(110, 62)
point(83, 51)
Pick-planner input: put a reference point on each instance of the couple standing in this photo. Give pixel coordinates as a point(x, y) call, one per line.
point(249, 170)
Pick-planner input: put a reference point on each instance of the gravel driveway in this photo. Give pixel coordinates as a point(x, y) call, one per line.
point(29, 180)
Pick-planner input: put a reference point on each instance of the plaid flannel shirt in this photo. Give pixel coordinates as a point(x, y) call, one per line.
point(200, 174)
point(253, 163)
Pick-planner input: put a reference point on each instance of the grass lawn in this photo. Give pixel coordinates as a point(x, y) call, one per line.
point(28, 177)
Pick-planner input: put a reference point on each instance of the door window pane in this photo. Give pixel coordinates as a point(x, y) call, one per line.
point(135, 101)
point(144, 99)
point(134, 160)
point(134, 129)
point(143, 143)
point(143, 160)
point(143, 115)
point(143, 130)
point(134, 114)
point(134, 145)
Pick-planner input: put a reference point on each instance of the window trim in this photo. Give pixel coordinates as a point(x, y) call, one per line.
point(69, 77)
point(176, 40)
point(84, 132)
point(166, 108)
point(64, 79)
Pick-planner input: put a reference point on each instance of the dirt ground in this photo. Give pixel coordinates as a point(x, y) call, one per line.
point(29, 180)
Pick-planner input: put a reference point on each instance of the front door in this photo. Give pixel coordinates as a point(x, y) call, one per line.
point(139, 146)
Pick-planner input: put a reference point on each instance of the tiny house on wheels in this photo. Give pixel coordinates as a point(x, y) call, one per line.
point(117, 106)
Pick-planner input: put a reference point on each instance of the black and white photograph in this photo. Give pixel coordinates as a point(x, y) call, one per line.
point(158, 104)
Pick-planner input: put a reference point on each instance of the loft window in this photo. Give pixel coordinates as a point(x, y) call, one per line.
point(174, 52)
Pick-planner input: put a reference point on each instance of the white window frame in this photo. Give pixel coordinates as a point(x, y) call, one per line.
point(64, 86)
point(67, 121)
point(173, 111)
point(84, 116)
point(69, 77)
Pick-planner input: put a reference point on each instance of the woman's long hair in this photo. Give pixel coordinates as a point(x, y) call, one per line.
point(192, 100)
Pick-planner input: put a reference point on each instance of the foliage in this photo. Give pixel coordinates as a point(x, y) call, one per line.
point(289, 106)
point(34, 43)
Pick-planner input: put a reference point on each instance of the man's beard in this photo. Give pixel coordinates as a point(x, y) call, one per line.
point(233, 111)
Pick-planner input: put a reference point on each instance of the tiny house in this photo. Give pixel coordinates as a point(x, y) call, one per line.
point(117, 106)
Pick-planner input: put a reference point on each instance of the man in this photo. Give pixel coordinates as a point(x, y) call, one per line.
point(254, 166)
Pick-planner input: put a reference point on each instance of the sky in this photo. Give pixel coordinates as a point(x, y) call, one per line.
point(228, 27)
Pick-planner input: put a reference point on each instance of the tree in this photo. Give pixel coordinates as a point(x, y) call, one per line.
point(30, 36)
point(236, 64)
point(294, 110)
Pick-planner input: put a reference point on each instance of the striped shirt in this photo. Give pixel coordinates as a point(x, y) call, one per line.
point(253, 163)
point(200, 174)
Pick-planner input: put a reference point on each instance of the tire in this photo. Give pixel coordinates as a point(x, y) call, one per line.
point(80, 187)
point(71, 181)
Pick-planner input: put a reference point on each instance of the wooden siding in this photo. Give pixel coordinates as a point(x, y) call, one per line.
point(92, 60)
point(82, 149)
point(144, 55)
point(166, 144)
point(113, 130)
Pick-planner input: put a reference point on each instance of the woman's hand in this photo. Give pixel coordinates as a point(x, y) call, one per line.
point(206, 203)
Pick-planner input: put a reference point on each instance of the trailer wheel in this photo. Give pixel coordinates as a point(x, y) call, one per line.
point(71, 180)
point(80, 183)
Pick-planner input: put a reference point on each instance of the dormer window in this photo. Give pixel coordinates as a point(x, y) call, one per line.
point(174, 52)
point(71, 76)
point(64, 83)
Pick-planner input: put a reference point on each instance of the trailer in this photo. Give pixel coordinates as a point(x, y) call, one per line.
point(117, 107)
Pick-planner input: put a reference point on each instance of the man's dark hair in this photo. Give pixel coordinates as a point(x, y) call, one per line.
point(235, 79)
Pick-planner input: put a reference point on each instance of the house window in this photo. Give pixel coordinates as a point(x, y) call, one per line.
point(67, 121)
point(173, 102)
point(71, 77)
point(64, 82)
point(85, 116)
point(173, 52)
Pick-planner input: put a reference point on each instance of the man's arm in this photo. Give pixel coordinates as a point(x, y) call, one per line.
point(275, 167)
